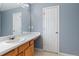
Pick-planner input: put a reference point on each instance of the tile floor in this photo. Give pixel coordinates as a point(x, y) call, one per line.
point(44, 53)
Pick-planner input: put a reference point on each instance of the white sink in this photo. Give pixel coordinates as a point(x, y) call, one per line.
point(9, 42)
point(14, 41)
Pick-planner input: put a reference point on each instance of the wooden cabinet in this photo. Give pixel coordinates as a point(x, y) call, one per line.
point(21, 54)
point(23, 47)
point(26, 49)
point(14, 52)
point(31, 42)
point(32, 47)
point(30, 50)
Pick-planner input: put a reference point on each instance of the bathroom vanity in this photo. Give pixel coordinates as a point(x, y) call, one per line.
point(25, 47)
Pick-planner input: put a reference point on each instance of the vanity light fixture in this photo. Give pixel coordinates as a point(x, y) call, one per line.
point(23, 5)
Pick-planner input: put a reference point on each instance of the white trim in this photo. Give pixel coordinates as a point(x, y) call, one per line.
point(58, 28)
point(37, 49)
point(65, 54)
point(59, 54)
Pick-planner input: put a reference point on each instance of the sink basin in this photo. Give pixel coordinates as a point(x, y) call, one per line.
point(12, 41)
point(16, 40)
point(9, 42)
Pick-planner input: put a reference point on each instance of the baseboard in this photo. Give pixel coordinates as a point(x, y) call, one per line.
point(37, 49)
point(59, 54)
point(65, 54)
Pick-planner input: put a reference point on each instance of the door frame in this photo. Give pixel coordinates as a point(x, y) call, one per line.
point(58, 25)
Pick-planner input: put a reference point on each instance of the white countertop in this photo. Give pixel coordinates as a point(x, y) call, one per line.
point(4, 48)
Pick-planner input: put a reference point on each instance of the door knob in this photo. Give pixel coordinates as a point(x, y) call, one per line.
point(56, 32)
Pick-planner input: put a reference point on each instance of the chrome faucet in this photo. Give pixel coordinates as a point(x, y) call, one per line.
point(12, 37)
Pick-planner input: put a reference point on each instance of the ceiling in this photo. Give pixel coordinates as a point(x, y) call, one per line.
point(7, 6)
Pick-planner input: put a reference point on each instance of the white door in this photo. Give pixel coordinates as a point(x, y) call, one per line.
point(50, 28)
point(17, 23)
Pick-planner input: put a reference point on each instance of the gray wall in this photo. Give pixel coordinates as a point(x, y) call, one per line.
point(7, 20)
point(69, 26)
point(0, 23)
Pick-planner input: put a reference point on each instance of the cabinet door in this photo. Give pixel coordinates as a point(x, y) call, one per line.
point(29, 51)
point(23, 47)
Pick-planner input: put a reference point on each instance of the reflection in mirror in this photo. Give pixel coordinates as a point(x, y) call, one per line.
point(17, 17)
point(14, 18)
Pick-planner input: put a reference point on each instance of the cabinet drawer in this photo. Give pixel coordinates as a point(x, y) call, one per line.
point(31, 42)
point(14, 52)
point(23, 47)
